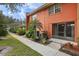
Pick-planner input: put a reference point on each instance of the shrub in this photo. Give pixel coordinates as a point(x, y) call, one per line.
point(32, 29)
point(13, 30)
point(21, 31)
point(37, 37)
point(44, 37)
point(33, 37)
point(3, 31)
point(27, 34)
point(30, 34)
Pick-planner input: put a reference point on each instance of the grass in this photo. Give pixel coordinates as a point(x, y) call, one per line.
point(19, 49)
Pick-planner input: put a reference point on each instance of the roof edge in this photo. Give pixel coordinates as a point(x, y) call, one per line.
point(46, 5)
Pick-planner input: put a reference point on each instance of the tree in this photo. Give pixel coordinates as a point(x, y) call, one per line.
point(32, 28)
point(35, 24)
point(3, 30)
point(5, 22)
point(6, 19)
point(13, 7)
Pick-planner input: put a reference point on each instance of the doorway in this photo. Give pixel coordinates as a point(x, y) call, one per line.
point(63, 30)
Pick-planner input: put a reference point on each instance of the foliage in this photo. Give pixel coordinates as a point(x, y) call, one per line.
point(32, 28)
point(28, 34)
point(35, 24)
point(6, 21)
point(21, 31)
point(44, 37)
point(2, 21)
point(32, 32)
point(13, 30)
point(13, 7)
point(3, 31)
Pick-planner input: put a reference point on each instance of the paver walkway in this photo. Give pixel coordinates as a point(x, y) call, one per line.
point(44, 50)
point(4, 50)
point(56, 43)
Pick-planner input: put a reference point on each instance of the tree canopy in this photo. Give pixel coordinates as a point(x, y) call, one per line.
point(6, 19)
point(13, 7)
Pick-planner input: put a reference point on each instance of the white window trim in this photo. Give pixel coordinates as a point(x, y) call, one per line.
point(54, 12)
point(34, 17)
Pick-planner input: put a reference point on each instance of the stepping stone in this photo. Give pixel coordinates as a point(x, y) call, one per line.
point(1, 48)
point(5, 49)
point(54, 45)
point(3, 38)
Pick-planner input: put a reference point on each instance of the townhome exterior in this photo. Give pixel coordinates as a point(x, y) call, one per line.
point(60, 20)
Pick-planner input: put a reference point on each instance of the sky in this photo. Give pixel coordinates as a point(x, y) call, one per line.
point(20, 15)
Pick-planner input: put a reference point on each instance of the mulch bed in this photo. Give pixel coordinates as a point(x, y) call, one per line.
point(70, 49)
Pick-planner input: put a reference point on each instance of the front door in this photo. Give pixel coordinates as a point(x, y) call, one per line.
point(61, 30)
point(70, 30)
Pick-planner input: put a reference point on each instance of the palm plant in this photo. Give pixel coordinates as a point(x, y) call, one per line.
point(35, 24)
point(32, 28)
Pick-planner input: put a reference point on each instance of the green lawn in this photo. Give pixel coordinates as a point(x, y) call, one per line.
point(19, 49)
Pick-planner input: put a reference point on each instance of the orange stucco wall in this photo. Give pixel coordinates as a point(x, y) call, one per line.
point(77, 25)
point(68, 13)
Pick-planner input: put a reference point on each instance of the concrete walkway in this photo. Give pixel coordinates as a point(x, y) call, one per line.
point(44, 50)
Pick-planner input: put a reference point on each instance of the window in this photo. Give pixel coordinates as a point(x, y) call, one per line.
point(57, 8)
point(34, 17)
point(54, 9)
point(51, 10)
